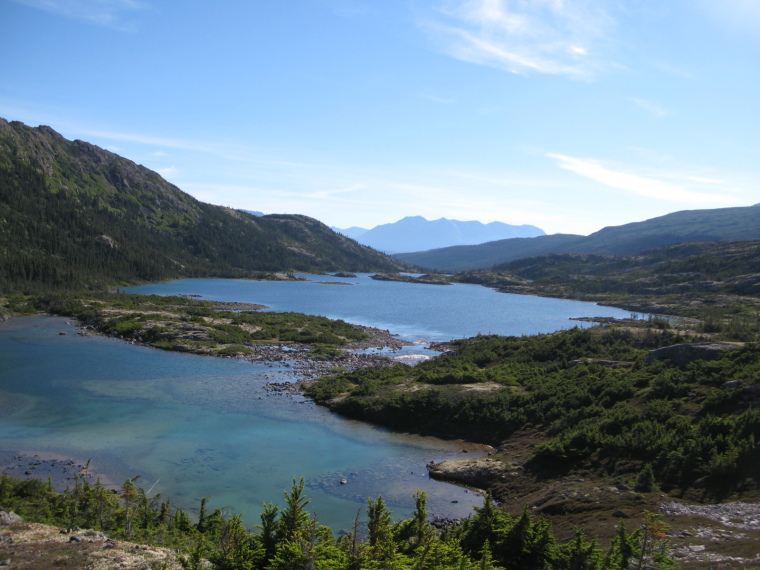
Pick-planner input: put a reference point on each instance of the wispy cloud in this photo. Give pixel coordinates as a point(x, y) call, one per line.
point(650, 108)
point(524, 36)
point(641, 185)
point(741, 16)
point(168, 171)
point(439, 99)
point(336, 191)
point(115, 14)
point(706, 180)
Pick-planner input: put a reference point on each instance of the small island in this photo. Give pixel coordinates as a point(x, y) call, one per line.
point(428, 279)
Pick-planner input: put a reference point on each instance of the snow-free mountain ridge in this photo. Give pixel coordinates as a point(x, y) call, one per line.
point(415, 233)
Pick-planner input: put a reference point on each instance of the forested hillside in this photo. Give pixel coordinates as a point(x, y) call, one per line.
point(74, 215)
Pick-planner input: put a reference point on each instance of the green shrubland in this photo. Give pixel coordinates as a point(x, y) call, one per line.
point(290, 536)
point(591, 394)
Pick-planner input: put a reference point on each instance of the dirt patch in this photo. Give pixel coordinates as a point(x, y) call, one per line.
point(28, 546)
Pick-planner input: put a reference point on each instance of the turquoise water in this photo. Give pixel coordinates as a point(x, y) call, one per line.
point(201, 426)
point(195, 426)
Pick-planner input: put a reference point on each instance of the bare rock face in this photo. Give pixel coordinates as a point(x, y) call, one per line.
point(9, 517)
point(683, 354)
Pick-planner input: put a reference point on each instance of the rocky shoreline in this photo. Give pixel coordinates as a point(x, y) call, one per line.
point(350, 356)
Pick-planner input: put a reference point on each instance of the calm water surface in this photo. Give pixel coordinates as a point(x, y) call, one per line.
point(425, 312)
point(202, 426)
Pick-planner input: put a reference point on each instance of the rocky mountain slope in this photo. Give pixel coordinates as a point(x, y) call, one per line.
point(75, 215)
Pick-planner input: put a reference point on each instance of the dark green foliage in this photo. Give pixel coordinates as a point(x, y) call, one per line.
point(645, 481)
point(291, 538)
point(687, 424)
point(75, 216)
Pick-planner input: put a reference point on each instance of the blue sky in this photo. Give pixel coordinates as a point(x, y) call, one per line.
point(570, 115)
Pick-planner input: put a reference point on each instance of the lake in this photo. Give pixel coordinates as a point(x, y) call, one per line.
point(413, 311)
point(195, 426)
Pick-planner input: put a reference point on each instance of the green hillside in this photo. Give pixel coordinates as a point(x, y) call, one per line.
point(724, 224)
point(717, 267)
point(715, 282)
point(74, 215)
point(464, 257)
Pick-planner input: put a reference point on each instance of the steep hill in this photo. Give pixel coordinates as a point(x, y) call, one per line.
point(415, 233)
point(724, 224)
point(466, 257)
point(75, 215)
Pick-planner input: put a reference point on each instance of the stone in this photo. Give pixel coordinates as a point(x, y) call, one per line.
point(9, 517)
point(683, 354)
point(697, 548)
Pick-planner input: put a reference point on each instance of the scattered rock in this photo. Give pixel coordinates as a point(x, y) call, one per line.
point(683, 354)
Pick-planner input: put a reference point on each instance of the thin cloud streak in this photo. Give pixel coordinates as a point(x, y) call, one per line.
point(106, 13)
point(522, 37)
point(650, 108)
point(649, 187)
point(706, 180)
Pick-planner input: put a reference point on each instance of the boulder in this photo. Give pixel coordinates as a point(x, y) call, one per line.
point(683, 354)
point(9, 517)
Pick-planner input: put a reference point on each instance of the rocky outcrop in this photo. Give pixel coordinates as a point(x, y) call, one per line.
point(479, 472)
point(683, 354)
point(9, 517)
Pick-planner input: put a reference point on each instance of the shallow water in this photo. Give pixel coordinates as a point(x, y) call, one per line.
point(202, 426)
point(195, 426)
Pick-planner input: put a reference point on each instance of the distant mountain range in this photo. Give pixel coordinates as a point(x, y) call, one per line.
point(415, 233)
point(73, 215)
point(724, 224)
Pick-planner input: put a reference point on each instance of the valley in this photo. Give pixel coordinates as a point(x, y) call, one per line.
point(601, 428)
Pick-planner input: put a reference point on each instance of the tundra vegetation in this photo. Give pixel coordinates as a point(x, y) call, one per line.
point(192, 325)
point(591, 400)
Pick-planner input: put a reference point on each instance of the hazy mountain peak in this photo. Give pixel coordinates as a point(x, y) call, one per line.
point(415, 233)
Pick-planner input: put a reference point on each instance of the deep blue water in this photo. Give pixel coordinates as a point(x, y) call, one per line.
point(203, 426)
point(414, 311)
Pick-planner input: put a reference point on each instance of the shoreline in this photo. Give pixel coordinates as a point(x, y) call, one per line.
point(61, 469)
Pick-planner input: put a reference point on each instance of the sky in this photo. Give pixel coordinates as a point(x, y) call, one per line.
point(570, 115)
